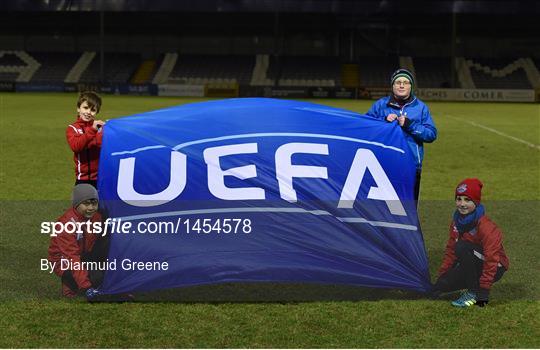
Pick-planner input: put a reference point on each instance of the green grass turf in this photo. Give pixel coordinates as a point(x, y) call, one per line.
point(36, 179)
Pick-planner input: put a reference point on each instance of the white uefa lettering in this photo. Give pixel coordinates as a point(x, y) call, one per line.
point(365, 159)
point(216, 175)
point(285, 170)
point(177, 183)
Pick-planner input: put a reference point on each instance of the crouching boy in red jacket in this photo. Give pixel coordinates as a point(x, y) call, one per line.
point(474, 257)
point(68, 250)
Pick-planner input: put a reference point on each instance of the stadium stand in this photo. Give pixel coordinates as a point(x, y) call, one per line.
point(265, 70)
point(305, 71)
point(498, 74)
point(349, 75)
point(259, 76)
point(118, 68)
point(8, 76)
point(54, 66)
point(10, 59)
point(78, 68)
point(376, 71)
point(201, 69)
point(146, 70)
point(432, 72)
point(18, 62)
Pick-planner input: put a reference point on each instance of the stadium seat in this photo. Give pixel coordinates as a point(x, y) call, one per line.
point(432, 72)
point(498, 74)
point(118, 68)
point(305, 70)
point(203, 69)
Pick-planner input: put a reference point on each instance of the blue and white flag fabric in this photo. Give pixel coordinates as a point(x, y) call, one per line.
point(259, 190)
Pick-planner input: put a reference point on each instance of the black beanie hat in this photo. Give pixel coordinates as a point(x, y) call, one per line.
point(402, 72)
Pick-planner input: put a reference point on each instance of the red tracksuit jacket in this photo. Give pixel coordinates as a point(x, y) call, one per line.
point(490, 238)
point(71, 246)
point(85, 142)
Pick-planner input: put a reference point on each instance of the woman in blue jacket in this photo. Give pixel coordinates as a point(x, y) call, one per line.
point(411, 114)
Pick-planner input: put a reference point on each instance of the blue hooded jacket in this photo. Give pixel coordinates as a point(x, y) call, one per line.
point(418, 130)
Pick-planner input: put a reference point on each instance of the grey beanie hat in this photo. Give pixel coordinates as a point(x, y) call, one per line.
point(82, 192)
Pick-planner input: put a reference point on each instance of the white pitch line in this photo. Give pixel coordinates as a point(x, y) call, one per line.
point(532, 145)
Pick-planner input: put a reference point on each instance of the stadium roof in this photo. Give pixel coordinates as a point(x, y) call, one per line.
point(308, 6)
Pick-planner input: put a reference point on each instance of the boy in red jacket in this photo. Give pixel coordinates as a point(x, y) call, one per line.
point(68, 250)
point(474, 257)
point(84, 138)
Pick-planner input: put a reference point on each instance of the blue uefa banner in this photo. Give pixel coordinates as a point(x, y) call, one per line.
point(259, 190)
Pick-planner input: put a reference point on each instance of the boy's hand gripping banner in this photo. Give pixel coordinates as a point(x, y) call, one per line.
point(259, 190)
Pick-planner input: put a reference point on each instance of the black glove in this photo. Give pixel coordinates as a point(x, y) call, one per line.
point(482, 297)
point(406, 123)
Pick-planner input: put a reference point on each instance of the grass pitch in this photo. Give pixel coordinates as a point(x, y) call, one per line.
point(496, 142)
